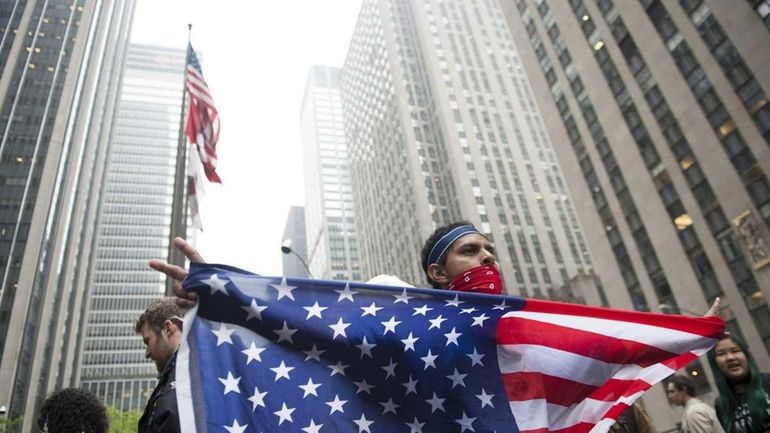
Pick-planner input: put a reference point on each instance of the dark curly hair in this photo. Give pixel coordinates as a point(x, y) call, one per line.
point(73, 410)
point(431, 241)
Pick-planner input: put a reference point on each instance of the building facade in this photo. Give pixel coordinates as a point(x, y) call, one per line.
point(61, 64)
point(441, 129)
point(332, 241)
point(294, 238)
point(133, 226)
point(658, 111)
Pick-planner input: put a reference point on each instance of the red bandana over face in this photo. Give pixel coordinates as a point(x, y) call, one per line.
point(481, 279)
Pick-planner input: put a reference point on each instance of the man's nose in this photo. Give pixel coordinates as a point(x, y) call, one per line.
point(488, 258)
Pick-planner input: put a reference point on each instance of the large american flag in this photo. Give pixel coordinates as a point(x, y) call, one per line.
point(265, 354)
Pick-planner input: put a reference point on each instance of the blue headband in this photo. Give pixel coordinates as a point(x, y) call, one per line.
point(442, 246)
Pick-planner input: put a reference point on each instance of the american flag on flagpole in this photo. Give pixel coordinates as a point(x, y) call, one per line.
point(202, 132)
point(265, 354)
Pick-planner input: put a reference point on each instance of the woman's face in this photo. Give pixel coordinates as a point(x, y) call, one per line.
point(731, 360)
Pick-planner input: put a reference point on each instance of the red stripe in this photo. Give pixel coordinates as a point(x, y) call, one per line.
point(517, 330)
point(703, 326)
point(582, 427)
point(564, 392)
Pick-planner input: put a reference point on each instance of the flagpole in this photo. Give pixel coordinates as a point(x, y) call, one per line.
point(178, 227)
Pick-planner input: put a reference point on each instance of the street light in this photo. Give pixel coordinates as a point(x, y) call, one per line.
point(286, 249)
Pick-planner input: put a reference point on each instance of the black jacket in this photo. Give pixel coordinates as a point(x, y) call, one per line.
point(161, 414)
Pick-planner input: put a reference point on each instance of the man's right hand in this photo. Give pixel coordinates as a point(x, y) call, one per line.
point(185, 299)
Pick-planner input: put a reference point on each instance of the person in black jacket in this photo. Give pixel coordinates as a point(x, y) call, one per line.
point(161, 329)
point(743, 404)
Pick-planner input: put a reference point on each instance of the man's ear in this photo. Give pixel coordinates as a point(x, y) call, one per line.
point(437, 274)
point(169, 327)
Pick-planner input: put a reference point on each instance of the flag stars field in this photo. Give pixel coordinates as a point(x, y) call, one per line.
point(284, 290)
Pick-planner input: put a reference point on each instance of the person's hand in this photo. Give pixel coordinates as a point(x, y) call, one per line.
point(185, 299)
point(714, 310)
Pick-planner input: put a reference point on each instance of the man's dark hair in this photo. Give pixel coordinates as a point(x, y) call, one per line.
point(683, 383)
point(73, 410)
point(431, 241)
point(158, 312)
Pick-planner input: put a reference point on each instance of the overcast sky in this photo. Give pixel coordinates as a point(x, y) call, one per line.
point(256, 56)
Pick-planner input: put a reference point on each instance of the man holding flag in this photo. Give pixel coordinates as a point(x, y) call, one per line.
point(447, 361)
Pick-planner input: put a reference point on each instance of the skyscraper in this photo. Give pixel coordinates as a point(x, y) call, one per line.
point(61, 63)
point(294, 237)
point(661, 116)
point(133, 226)
point(439, 129)
point(332, 242)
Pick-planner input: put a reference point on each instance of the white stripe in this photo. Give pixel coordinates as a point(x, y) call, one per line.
point(520, 358)
point(184, 399)
point(536, 414)
point(668, 339)
point(202, 97)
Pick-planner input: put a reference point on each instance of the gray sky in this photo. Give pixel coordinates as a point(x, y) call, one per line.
point(256, 56)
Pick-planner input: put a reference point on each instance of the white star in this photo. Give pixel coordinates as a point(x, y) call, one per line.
point(284, 414)
point(336, 404)
point(371, 310)
point(475, 358)
point(363, 424)
point(338, 368)
point(486, 399)
point(466, 423)
point(429, 360)
point(223, 334)
point(258, 399)
point(436, 323)
point(457, 379)
point(254, 310)
point(282, 371)
point(421, 310)
point(312, 427)
point(467, 310)
point(235, 428)
point(436, 403)
point(284, 290)
point(363, 387)
point(452, 336)
point(389, 406)
point(390, 325)
point(390, 369)
point(455, 302)
point(415, 426)
point(314, 311)
point(310, 388)
point(216, 284)
point(366, 348)
point(285, 333)
point(313, 353)
point(339, 328)
point(411, 386)
point(403, 297)
point(346, 293)
point(230, 383)
point(479, 320)
point(409, 342)
point(501, 306)
point(253, 353)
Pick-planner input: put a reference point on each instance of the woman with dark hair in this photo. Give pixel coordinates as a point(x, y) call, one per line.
point(743, 405)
